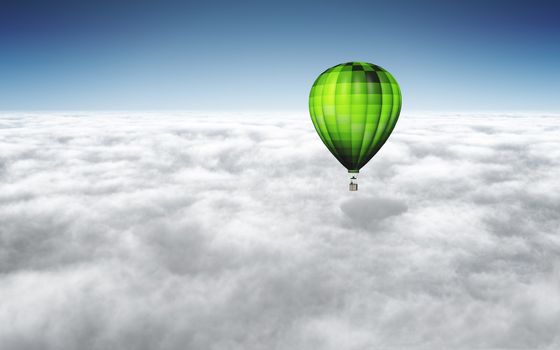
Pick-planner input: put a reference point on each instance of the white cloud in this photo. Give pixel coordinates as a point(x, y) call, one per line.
point(237, 231)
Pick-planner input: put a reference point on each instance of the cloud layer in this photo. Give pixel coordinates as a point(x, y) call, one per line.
point(237, 231)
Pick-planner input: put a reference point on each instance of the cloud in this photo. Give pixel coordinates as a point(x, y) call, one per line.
point(363, 211)
point(237, 231)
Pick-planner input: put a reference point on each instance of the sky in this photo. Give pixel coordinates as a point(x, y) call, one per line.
point(216, 231)
point(265, 55)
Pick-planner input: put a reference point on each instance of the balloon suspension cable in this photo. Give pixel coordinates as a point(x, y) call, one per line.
point(353, 183)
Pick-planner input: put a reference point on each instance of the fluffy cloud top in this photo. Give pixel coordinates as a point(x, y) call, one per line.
point(237, 231)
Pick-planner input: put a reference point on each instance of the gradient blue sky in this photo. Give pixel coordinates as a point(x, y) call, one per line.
point(471, 55)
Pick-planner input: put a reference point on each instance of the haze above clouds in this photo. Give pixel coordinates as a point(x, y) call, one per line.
point(237, 231)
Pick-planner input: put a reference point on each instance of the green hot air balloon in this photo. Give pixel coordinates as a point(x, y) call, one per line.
point(354, 107)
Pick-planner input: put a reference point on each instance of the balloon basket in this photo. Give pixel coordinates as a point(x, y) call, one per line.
point(353, 184)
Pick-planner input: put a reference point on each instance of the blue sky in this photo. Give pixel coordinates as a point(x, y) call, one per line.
point(495, 55)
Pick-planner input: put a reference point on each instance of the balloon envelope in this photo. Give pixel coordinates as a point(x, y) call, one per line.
point(354, 107)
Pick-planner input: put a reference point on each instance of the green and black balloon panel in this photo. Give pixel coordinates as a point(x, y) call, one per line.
point(354, 107)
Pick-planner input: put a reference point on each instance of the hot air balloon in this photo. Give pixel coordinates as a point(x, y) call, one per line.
point(354, 107)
